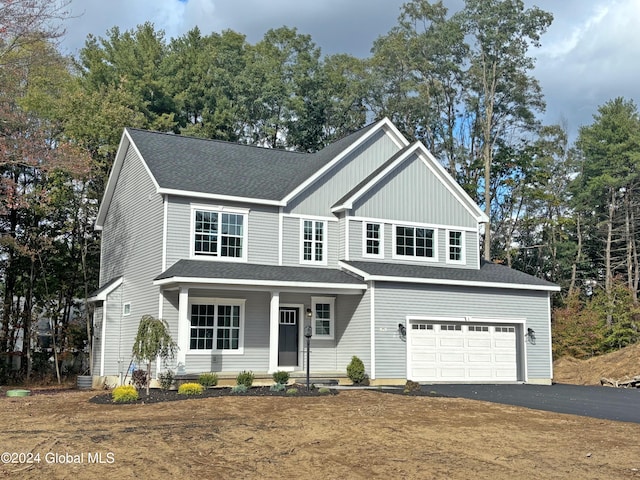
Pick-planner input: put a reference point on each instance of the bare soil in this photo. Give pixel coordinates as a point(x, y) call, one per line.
point(620, 365)
point(354, 434)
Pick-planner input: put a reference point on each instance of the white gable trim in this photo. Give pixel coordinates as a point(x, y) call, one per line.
point(438, 281)
point(102, 296)
point(438, 170)
point(384, 124)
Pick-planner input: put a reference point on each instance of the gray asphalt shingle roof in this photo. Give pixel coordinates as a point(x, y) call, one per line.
point(248, 271)
point(225, 168)
point(488, 273)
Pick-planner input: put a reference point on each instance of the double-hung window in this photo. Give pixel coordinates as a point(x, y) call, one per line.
point(455, 246)
point(322, 309)
point(415, 242)
point(217, 325)
point(219, 234)
point(373, 240)
point(314, 241)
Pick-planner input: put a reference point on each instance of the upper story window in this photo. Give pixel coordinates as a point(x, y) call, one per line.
point(219, 234)
point(455, 246)
point(314, 241)
point(415, 242)
point(373, 240)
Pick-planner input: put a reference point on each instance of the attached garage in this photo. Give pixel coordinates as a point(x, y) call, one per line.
point(463, 351)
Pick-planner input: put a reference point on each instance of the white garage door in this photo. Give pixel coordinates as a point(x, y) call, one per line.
point(456, 352)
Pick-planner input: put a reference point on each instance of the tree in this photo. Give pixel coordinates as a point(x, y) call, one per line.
point(153, 340)
point(500, 92)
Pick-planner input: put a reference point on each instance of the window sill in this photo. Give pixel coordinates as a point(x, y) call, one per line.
point(239, 351)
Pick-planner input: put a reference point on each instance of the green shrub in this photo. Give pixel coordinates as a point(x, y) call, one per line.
point(277, 387)
point(245, 378)
point(208, 379)
point(292, 391)
point(281, 377)
point(240, 388)
point(166, 380)
point(190, 389)
point(124, 393)
point(355, 371)
point(324, 391)
point(139, 378)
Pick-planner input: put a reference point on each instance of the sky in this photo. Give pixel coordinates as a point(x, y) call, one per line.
point(589, 55)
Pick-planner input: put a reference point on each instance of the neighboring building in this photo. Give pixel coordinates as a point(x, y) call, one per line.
point(369, 241)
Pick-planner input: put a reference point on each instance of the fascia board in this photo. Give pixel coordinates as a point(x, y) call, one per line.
point(260, 283)
point(213, 196)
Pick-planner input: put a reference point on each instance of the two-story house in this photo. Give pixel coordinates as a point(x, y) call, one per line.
point(369, 242)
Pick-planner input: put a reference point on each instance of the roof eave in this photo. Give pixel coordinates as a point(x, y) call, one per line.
point(260, 283)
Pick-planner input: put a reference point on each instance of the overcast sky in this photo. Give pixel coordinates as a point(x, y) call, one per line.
point(589, 55)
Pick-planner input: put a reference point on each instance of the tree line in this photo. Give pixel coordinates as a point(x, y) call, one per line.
point(461, 82)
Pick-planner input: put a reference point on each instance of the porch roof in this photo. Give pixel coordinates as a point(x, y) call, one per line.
point(250, 274)
point(489, 274)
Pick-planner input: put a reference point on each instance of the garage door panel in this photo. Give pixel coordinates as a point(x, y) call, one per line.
point(460, 352)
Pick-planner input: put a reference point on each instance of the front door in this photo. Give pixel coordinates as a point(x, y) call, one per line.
point(288, 337)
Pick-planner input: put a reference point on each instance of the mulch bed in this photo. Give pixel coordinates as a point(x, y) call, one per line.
point(159, 396)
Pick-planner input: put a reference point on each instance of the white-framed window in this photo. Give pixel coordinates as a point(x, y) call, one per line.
point(455, 246)
point(313, 241)
point(216, 325)
point(219, 233)
point(415, 242)
point(372, 240)
point(126, 309)
point(322, 317)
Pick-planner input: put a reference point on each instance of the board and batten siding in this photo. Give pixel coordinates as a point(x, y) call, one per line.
point(356, 241)
point(262, 224)
point(394, 302)
point(132, 248)
point(318, 198)
point(413, 193)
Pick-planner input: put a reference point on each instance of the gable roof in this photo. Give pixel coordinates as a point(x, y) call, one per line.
point(101, 294)
point(490, 275)
point(230, 171)
point(382, 172)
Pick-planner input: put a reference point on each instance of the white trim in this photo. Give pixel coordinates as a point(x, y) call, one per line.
point(523, 344)
point(385, 124)
point(124, 309)
point(219, 210)
point(390, 221)
point(332, 318)
point(312, 217)
point(217, 301)
point(347, 243)
point(103, 340)
point(165, 228)
point(463, 247)
point(439, 281)
point(224, 198)
point(325, 243)
point(280, 234)
point(549, 336)
point(102, 296)
point(394, 244)
point(372, 321)
point(183, 327)
point(274, 325)
point(380, 240)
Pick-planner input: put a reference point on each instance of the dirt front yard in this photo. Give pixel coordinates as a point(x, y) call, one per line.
point(352, 435)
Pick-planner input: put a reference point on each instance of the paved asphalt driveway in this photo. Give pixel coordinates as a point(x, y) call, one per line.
point(619, 404)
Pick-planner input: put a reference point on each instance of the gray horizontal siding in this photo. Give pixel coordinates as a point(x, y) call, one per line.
point(394, 302)
point(262, 230)
point(412, 193)
point(318, 198)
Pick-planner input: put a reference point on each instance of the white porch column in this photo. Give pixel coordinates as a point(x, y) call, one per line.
point(183, 328)
point(103, 337)
point(274, 326)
